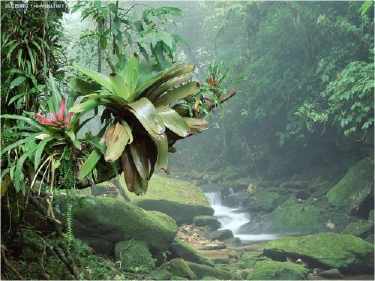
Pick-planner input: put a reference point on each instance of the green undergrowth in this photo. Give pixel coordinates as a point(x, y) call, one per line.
point(40, 258)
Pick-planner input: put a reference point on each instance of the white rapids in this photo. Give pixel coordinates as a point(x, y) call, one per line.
point(233, 219)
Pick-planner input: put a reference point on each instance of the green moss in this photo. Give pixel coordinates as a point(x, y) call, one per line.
point(293, 216)
point(341, 251)
point(179, 199)
point(264, 200)
point(179, 191)
point(354, 187)
point(359, 228)
point(247, 260)
point(181, 213)
point(178, 267)
point(134, 256)
point(183, 250)
point(274, 270)
point(119, 220)
point(204, 270)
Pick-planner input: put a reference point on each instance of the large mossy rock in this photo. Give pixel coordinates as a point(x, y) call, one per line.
point(202, 271)
point(210, 221)
point(113, 220)
point(354, 192)
point(134, 256)
point(178, 267)
point(275, 270)
point(297, 217)
point(179, 199)
point(360, 228)
point(326, 250)
point(183, 250)
point(262, 200)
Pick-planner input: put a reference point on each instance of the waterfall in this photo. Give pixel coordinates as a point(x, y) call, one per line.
point(233, 219)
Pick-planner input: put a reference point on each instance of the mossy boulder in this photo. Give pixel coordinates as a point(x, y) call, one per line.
point(179, 199)
point(134, 256)
point(114, 220)
point(275, 270)
point(210, 221)
point(297, 217)
point(222, 234)
point(183, 250)
point(262, 200)
point(202, 271)
point(360, 228)
point(326, 250)
point(179, 267)
point(354, 192)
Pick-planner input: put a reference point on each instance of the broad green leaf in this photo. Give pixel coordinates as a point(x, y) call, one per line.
point(169, 85)
point(16, 82)
point(89, 164)
point(190, 89)
point(97, 77)
point(153, 83)
point(147, 115)
point(120, 88)
point(82, 87)
point(16, 97)
point(130, 75)
point(85, 106)
point(173, 121)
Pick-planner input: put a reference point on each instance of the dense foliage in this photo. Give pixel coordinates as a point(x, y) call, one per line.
point(305, 71)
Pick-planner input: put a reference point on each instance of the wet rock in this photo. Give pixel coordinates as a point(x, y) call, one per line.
point(213, 246)
point(182, 213)
point(134, 256)
point(201, 271)
point(331, 274)
point(183, 250)
point(114, 220)
point(236, 199)
point(354, 192)
point(345, 252)
point(360, 228)
point(179, 267)
point(100, 245)
point(296, 217)
point(264, 201)
point(221, 234)
point(210, 221)
point(234, 242)
point(179, 199)
point(274, 270)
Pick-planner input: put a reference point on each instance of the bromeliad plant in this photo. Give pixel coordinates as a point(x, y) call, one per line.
point(143, 115)
point(47, 148)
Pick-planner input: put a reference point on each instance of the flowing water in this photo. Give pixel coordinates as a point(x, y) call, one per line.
point(233, 219)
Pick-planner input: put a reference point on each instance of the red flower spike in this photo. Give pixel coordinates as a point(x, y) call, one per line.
point(59, 119)
point(60, 115)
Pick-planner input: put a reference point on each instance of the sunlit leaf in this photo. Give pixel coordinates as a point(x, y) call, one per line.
point(173, 121)
point(89, 164)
